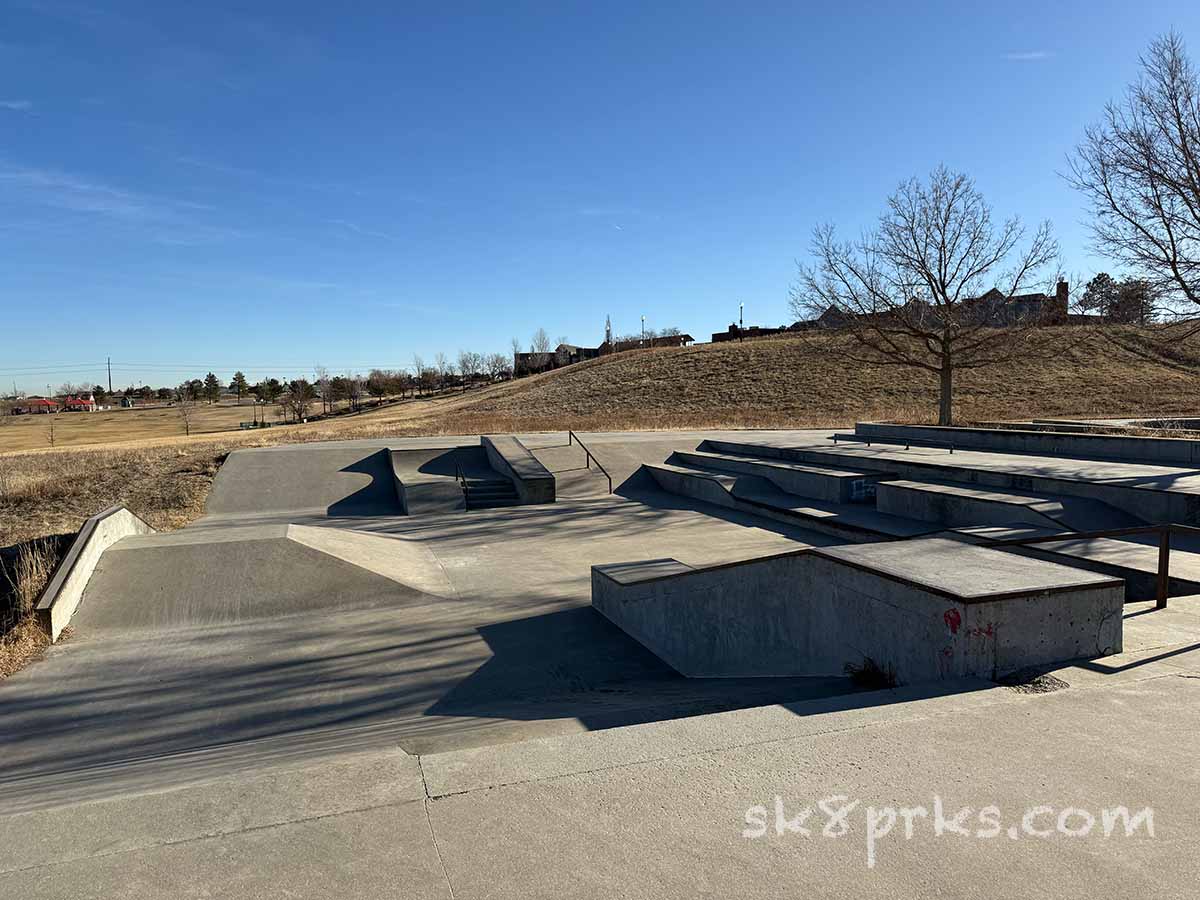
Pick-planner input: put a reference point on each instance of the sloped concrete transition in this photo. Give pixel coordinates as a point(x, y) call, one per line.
point(340, 595)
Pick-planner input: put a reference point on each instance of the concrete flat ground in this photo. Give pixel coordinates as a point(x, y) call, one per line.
point(306, 694)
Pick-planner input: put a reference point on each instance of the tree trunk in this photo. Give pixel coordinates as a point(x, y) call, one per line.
point(945, 397)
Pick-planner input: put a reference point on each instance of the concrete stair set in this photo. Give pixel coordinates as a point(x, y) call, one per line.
point(490, 493)
point(818, 490)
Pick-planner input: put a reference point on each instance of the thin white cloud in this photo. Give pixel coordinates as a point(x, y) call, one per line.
point(365, 232)
point(62, 191)
point(1027, 55)
point(18, 105)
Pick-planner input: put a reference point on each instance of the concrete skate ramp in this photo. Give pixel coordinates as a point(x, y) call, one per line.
point(264, 575)
point(341, 481)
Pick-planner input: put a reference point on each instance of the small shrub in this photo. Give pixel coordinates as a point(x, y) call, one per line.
point(871, 675)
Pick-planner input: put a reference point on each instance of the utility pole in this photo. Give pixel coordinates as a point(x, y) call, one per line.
point(110, 374)
point(741, 322)
point(643, 331)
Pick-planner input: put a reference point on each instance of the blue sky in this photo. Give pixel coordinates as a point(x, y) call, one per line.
point(273, 186)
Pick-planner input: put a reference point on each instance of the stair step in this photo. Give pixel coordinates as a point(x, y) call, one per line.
point(494, 503)
point(833, 484)
point(757, 495)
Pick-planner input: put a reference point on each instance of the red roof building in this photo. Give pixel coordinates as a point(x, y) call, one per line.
point(80, 404)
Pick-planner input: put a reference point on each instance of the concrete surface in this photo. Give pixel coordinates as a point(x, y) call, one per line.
point(62, 593)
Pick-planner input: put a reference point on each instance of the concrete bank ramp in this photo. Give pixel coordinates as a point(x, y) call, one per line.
point(239, 575)
point(338, 481)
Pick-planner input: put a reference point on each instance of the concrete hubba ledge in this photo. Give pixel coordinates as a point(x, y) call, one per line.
point(927, 609)
point(1013, 440)
point(61, 597)
point(508, 456)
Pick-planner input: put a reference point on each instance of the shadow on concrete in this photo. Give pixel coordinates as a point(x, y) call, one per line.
point(576, 664)
point(472, 461)
point(375, 499)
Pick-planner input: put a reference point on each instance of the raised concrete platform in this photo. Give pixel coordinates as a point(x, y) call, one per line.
point(513, 459)
point(1153, 493)
point(819, 482)
point(957, 504)
point(926, 609)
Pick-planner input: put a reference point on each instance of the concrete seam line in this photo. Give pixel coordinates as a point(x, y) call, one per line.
point(205, 836)
point(432, 833)
point(995, 695)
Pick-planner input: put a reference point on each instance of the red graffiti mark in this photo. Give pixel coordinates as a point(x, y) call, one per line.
point(953, 620)
point(947, 652)
point(981, 632)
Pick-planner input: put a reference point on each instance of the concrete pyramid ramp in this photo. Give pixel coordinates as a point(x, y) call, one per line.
point(403, 560)
point(164, 584)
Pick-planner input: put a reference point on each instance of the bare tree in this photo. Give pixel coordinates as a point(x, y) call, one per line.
point(299, 397)
point(443, 368)
point(910, 294)
point(184, 407)
point(418, 370)
point(539, 346)
point(322, 383)
point(470, 364)
point(1139, 169)
point(498, 366)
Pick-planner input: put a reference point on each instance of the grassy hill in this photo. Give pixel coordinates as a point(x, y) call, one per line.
point(797, 382)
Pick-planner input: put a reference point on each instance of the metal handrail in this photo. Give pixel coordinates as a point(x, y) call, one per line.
point(461, 478)
point(572, 436)
point(1164, 547)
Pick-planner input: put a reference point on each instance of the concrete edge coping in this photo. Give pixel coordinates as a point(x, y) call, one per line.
point(790, 466)
point(63, 592)
point(517, 456)
point(967, 599)
point(900, 427)
point(984, 430)
point(602, 570)
point(879, 572)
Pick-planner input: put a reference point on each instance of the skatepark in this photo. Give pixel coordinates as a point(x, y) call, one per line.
point(386, 645)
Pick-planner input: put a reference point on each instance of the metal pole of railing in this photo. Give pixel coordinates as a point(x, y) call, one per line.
point(1164, 566)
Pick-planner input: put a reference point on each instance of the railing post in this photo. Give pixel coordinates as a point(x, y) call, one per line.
point(1164, 566)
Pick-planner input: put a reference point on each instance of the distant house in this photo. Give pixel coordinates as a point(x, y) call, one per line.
point(991, 309)
point(80, 404)
point(569, 354)
point(666, 340)
point(752, 332)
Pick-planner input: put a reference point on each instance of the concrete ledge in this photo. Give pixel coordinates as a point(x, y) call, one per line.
point(1013, 440)
point(61, 597)
point(928, 609)
point(508, 456)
